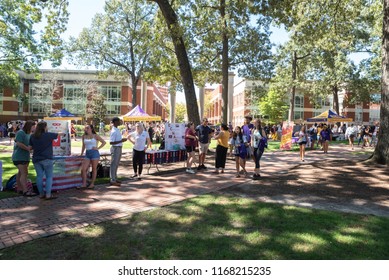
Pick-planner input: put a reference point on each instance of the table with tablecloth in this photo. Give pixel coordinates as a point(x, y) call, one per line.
point(159, 157)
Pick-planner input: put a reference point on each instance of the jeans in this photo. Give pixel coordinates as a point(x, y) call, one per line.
point(257, 157)
point(44, 167)
point(116, 154)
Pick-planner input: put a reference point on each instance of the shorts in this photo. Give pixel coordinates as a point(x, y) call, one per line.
point(302, 143)
point(20, 162)
point(92, 154)
point(203, 148)
point(190, 149)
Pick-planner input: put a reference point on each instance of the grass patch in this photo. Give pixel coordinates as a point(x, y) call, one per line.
point(219, 227)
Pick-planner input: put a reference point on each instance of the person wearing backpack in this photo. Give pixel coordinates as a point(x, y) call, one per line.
point(21, 157)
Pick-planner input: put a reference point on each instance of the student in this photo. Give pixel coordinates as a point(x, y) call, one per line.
point(190, 145)
point(21, 157)
point(239, 142)
point(258, 142)
point(90, 144)
point(303, 140)
point(221, 149)
point(116, 142)
point(139, 138)
point(204, 135)
point(41, 142)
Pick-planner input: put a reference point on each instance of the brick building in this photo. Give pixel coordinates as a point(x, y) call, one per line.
point(69, 92)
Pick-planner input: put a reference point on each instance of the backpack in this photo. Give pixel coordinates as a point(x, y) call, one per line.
point(11, 184)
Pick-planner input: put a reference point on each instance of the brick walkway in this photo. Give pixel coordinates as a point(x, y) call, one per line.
point(23, 219)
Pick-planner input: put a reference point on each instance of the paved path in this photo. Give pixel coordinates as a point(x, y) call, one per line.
point(23, 219)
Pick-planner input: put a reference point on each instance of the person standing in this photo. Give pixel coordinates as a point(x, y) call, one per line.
point(222, 148)
point(325, 135)
point(351, 133)
point(239, 142)
point(90, 141)
point(204, 133)
point(139, 138)
point(116, 142)
point(302, 141)
point(41, 142)
point(190, 145)
point(259, 140)
point(21, 157)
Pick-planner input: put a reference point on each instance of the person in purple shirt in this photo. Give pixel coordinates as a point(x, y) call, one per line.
point(41, 142)
point(325, 134)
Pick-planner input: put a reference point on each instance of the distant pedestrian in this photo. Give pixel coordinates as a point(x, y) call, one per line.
point(239, 143)
point(351, 133)
point(204, 134)
point(259, 140)
point(221, 149)
point(302, 141)
point(116, 142)
point(190, 145)
point(325, 135)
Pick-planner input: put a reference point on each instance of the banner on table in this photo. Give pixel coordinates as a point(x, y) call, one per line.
point(174, 136)
point(62, 145)
point(287, 134)
point(66, 172)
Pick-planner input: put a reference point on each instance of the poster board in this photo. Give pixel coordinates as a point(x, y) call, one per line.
point(174, 136)
point(286, 136)
point(62, 145)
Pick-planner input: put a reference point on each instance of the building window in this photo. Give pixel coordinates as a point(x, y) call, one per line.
point(112, 93)
point(298, 115)
point(299, 101)
point(374, 115)
point(113, 109)
point(358, 112)
point(41, 99)
point(74, 99)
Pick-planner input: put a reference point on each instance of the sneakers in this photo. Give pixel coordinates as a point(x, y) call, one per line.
point(189, 170)
point(256, 176)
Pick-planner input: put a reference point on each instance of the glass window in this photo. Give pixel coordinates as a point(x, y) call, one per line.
point(41, 98)
point(74, 99)
point(112, 93)
point(299, 101)
point(298, 115)
point(113, 109)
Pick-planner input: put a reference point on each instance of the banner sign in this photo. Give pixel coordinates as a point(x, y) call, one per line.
point(61, 146)
point(174, 136)
point(287, 134)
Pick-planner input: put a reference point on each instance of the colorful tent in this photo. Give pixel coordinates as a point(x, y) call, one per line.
point(62, 114)
point(329, 116)
point(138, 114)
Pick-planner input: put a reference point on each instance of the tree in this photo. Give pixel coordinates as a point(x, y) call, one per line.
point(331, 30)
point(21, 48)
point(176, 33)
point(381, 153)
point(45, 93)
point(120, 41)
point(231, 38)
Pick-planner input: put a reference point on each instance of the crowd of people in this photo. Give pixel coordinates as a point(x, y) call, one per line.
point(242, 143)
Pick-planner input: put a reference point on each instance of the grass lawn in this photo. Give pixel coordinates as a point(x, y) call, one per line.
point(219, 227)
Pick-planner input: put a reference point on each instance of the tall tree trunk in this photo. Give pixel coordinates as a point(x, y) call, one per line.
point(293, 89)
point(183, 61)
point(225, 63)
point(336, 99)
point(381, 153)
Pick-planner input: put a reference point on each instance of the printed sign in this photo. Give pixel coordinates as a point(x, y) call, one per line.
point(61, 145)
point(174, 136)
point(287, 134)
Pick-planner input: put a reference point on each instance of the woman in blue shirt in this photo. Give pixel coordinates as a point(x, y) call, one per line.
point(41, 143)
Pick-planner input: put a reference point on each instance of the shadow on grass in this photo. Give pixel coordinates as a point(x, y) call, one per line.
point(219, 227)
